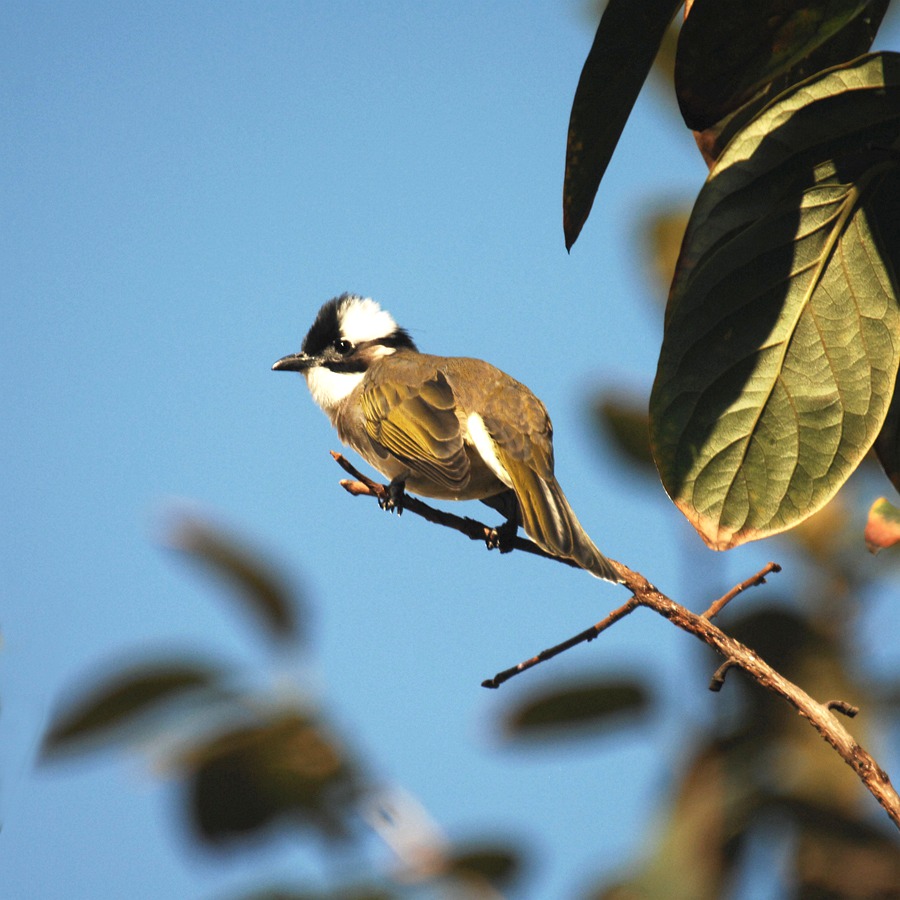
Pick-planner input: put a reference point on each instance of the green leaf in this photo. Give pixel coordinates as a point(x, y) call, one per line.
point(730, 51)
point(783, 638)
point(781, 348)
point(495, 863)
point(627, 424)
point(838, 853)
point(285, 892)
point(287, 768)
point(254, 580)
point(887, 444)
point(704, 811)
point(624, 47)
point(579, 706)
point(882, 526)
point(120, 702)
point(662, 233)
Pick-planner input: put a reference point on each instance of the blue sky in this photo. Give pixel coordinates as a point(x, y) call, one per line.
point(184, 185)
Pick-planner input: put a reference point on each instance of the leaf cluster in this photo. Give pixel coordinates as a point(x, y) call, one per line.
point(781, 341)
point(251, 762)
point(754, 783)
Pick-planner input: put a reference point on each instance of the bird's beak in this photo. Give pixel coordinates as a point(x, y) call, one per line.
point(296, 362)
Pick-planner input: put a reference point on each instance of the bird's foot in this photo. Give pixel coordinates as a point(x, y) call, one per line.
point(501, 538)
point(392, 499)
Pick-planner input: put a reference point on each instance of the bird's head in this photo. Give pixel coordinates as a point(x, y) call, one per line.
point(349, 334)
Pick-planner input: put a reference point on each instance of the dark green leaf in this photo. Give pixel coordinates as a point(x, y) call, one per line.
point(780, 348)
point(783, 638)
point(496, 864)
point(730, 51)
point(117, 703)
point(343, 893)
point(286, 769)
point(579, 706)
point(887, 444)
point(625, 45)
point(255, 581)
point(886, 212)
point(627, 424)
point(709, 804)
point(838, 854)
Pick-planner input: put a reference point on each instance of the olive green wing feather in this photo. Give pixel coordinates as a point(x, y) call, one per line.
point(416, 422)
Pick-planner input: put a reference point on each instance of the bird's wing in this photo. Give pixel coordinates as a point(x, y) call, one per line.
point(416, 422)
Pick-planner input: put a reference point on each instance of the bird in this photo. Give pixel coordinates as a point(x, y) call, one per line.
point(442, 427)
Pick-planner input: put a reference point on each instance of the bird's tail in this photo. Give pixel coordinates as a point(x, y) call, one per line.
point(550, 522)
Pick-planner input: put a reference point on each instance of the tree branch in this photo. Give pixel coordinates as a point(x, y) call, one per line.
point(736, 654)
point(587, 635)
point(757, 579)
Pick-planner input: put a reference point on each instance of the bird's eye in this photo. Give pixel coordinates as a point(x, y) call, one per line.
point(343, 347)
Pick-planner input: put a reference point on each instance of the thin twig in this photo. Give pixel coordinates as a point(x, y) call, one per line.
point(844, 708)
point(587, 635)
point(819, 715)
point(757, 579)
point(717, 682)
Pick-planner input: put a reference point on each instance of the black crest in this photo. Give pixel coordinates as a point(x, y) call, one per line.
point(325, 330)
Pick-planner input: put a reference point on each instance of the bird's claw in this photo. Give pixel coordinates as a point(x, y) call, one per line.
point(501, 538)
point(392, 499)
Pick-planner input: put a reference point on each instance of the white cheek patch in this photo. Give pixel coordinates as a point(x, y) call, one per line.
point(363, 319)
point(329, 388)
point(484, 444)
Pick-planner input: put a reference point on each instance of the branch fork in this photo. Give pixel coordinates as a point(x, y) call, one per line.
point(822, 716)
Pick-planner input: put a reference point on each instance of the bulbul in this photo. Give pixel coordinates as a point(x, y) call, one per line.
point(445, 427)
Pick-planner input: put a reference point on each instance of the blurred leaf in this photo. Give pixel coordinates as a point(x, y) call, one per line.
point(343, 893)
point(624, 47)
point(883, 526)
point(841, 855)
point(561, 710)
point(781, 637)
point(254, 580)
point(664, 231)
point(286, 769)
point(120, 701)
point(664, 62)
point(823, 534)
point(779, 353)
point(499, 865)
point(730, 50)
point(694, 853)
point(627, 425)
point(784, 759)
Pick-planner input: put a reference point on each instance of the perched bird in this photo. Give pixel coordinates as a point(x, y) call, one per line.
point(446, 427)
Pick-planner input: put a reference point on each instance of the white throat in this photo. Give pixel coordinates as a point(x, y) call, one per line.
point(329, 388)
